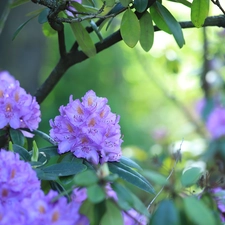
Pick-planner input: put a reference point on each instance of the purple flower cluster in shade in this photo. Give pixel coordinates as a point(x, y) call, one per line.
point(216, 122)
point(88, 129)
point(130, 217)
point(215, 118)
point(22, 202)
point(17, 108)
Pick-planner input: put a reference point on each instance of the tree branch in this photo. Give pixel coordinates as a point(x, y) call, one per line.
point(61, 41)
point(75, 56)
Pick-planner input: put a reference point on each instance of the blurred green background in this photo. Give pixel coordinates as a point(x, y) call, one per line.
point(155, 93)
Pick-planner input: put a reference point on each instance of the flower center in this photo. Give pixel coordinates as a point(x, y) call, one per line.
point(55, 216)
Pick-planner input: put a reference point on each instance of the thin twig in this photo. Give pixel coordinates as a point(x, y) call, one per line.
point(217, 2)
point(171, 172)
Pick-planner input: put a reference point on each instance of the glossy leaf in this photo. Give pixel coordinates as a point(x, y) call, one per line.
point(166, 213)
point(18, 3)
point(24, 154)
point(43, 135)
point(158, 19)
point(86, 178)
point(147, 31)
point(190, 176)
point(65, 168)
point(173, 25)
point(95, 193)
point(45, 176)
point(129, 162)
point(198, 212)
point(131, 176)
point(50, 150)
point(140, 5)
point(16, 136)
point(43, 16)
point(83, 38)
point(113, 215)
point(21, 27)
point(130, 28)
point(199, 12)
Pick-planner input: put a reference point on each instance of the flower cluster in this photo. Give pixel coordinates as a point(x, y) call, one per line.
point(20, 191)
point(213, 112)
point(88, 129)
point(216, 122)
point(17, 108)
point(17, 178)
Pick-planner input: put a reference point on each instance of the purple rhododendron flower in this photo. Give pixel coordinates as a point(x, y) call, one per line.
point(130, 217)
point(88, 129)
point(17, 108)
point(216, 122)
point(219, 196)
point(17, 178)
point(40, 209)
point(71, 9)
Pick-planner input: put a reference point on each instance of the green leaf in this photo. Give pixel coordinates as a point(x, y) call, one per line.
point(21, 27)
point(65, 168)
point(155, 177)
point(48, 31)
point(50, 150)
point(45, 176)
point(191, 176)
point(147, 31)
point(158, 19)
point(173, 25)
point(199, 12)
point(125, 3)
point(43, 16)
point(24, 154)
point(129, 162)
point(183, 2)
point(43, 135)
point(18, 2)
point(125, 200)
point(83, 38)
point(86, 178)
point(113, 215)
point(166, 213)
point(140, 5)
point(130, 28)
point(110, 3)
point(198, 212)
point(94, 212)
point(131, 176)
point(78, 7)
point(95, 193)
point(16, 136)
